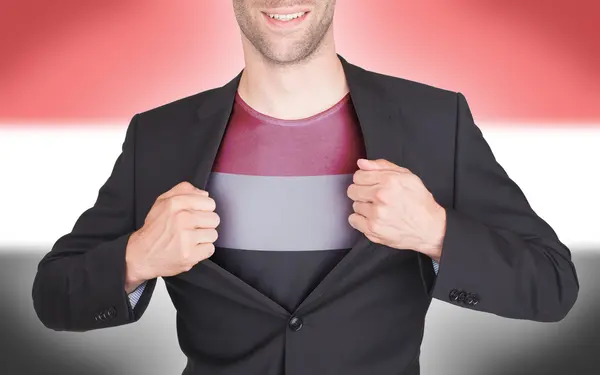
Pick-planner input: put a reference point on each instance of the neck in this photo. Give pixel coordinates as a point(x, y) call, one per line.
point(293, 91)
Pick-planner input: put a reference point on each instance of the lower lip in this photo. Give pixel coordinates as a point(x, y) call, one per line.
point(290, 23)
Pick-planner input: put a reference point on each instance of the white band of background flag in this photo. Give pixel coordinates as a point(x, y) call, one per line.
point(51, 174)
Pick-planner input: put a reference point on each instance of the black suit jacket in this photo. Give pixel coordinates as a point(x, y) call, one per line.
point(367, 315)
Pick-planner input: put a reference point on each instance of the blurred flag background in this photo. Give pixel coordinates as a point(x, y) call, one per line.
point(73, 73)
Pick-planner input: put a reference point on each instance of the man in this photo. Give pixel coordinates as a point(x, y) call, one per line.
point(298, 216)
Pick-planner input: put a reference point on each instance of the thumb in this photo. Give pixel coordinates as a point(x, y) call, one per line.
point(375, 164)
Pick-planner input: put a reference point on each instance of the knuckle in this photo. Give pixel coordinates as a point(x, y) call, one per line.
point(209, 235)
point(387, 179)
point(372, 226)
point(203, 192)
point(217, 219)
point(209, 249)
point(411, 179)
point(181, 218)
point(381, 195)
point(204, 250)
point(185, 185)
point(173, 204)
point(210, 202)
point(416, 179)
point(210, 219)
point(380, 211)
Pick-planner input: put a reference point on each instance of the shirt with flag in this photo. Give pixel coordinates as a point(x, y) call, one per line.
point(280, 188)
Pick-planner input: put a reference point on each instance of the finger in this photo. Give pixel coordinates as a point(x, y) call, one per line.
point(194, 202)
point(204, 235)
point(170, 195)
point(369, 177)
point(203, 251)
point(191, 219)
point(364, 209)
point(196, 253)
point(379, 164)
point(205, 219)
point(359, 223)
point(361, 193)
point(182, 188)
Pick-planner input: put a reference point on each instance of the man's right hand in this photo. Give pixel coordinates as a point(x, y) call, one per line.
point(178, 232)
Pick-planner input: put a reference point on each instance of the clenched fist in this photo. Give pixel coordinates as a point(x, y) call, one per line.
point(393, 207)
point(178, 232)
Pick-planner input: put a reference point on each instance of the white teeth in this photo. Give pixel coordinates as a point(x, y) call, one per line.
point(286, 17)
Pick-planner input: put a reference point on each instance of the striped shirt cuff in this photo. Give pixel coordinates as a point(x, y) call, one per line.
point(134, 296)
point(436, 266)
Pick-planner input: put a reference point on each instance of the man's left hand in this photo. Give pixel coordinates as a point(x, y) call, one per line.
point(393, 207)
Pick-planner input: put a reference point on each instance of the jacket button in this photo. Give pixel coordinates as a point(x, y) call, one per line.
point(112, 312)
point(453, 295)
point(469, 299)
point(475, 299)
point(462, 296)
point(295, 324)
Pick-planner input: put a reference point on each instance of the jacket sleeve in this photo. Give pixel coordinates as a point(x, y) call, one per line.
point(498, 256)
point(80, 283)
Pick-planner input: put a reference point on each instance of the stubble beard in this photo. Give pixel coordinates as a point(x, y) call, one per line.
point(301, 50)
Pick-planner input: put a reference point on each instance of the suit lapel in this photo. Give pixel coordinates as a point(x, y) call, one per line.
point(381, 126)
point(213, 115)
point(201, 142)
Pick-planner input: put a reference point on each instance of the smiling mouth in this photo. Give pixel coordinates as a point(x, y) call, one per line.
point(287, 20)
point(286, 17)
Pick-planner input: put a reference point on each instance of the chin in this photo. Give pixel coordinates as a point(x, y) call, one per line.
point(284, 59)
point(287, 54)
point(283, 56)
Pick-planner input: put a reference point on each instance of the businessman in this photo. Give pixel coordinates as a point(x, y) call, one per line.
point(304, 215)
